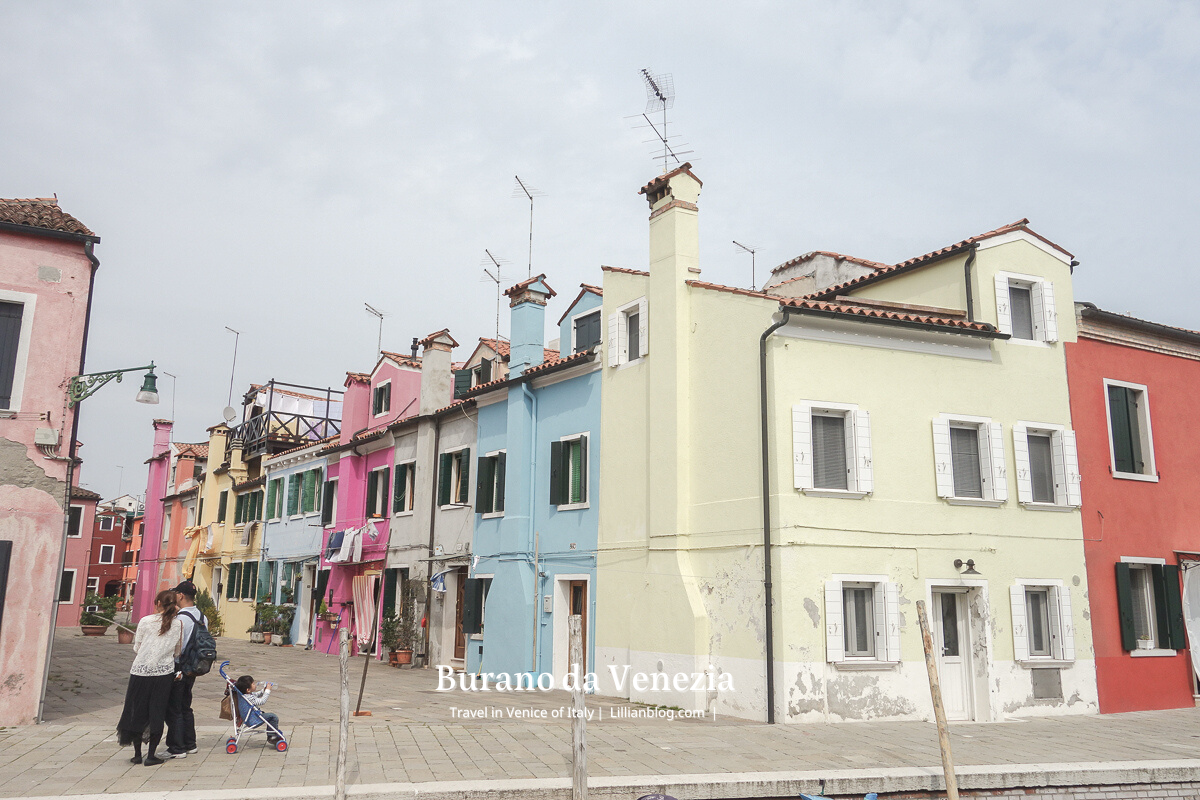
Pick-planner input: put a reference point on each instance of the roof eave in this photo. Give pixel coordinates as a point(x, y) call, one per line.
point(982, 333)
point(51, 233)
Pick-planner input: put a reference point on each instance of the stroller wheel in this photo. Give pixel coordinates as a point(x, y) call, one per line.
point(231, 747)
point(281, 745)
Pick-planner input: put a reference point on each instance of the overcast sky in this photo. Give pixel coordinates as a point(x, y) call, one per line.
point(272, 168)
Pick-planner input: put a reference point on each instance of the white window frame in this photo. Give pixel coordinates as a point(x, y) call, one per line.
point(107, 519)
point(618, 333)
point(92, 586)
point(375, 389)
point(78, 535)
point(375, 475)
point(73, 576)
point(1147, 435)
point(886, 613)
point(587, 495)
point(1042, 307)
point(29, 301)
point(860, 480)
point(496, 454)
point(1067, 478)
point(276, 514)
point(599, 312)
point(112, 551)
point(992, 468)
point(166, 535)
point(1060, 622)
point(410, 479)
point(1136, 562)
point(456, 463)
point(333, 517)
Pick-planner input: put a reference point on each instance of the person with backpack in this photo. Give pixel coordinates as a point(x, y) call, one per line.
point(195, 658)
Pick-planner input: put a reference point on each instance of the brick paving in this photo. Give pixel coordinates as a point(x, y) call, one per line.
point(413, 736)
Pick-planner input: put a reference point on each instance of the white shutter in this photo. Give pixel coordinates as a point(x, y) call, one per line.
point(879, 612)
point(942, 462)
point(1049, 317)
point(862, 451)
point(802, 451)
point(1021, 459)
point(1037, 313)
point(1058, 457)
point(892, 592)
point(1067, 647)
point(614, 340)
point(1071, 462)
point(996, 466)
point(643, 329)
point(1003, 308)
point(1020, 619)
point(622, 337)
point(834, 620)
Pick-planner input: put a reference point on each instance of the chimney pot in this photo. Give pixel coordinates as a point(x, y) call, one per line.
point(416, 343)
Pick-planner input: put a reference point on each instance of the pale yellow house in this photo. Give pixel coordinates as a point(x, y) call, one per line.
point(919, 447)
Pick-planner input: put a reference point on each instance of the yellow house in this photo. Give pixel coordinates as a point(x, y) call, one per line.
point(913, 426)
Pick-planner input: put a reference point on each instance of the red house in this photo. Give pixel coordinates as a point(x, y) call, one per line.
point(1134, 388)
point(108, 549)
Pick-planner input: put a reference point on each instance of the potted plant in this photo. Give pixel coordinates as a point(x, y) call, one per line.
point(282, 626)
point(407, 631)
point(97, 614)
point(1145, 642)
point(265, 615)
point(389, 635)
point(256, 633)
point(325, 614)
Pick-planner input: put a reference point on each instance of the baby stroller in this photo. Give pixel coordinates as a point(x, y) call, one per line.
point(253, 723)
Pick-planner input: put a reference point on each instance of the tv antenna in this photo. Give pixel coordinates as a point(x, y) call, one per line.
point(173, 379)
point(523, 188)
point(495, 262)
point(375, 312)
point(660, 96)
point(236, 336)
point(752, 251)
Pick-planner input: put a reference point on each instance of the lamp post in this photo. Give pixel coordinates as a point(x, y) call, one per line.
point(79, 388)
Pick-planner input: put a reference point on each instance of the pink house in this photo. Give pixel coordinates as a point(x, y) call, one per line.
point(82, 554)
point(46, 272)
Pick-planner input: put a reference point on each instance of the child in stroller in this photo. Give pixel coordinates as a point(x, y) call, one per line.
point(248, 697)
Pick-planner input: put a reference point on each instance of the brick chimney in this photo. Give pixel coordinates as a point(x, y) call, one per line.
point(437, 382)
point(527, 325)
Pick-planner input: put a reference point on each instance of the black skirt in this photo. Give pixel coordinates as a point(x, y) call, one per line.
point(145, 708)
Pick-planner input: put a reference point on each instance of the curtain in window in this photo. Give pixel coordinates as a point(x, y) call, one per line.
point(829, 452)
point(964, 454)
point(1191, 610)
point(1022, 312)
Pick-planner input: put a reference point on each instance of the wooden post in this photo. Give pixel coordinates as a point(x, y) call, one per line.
point(939, 711)
point(339, 787)
point(578, 720)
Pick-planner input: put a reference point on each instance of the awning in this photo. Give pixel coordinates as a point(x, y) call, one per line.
point(363, 587)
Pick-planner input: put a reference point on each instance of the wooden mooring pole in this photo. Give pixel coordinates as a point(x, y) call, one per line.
point(579, 787)
point(339, 786)
point(939, 711)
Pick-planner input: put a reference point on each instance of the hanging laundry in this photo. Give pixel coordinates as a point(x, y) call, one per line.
point(335, 544)
point(438, 582)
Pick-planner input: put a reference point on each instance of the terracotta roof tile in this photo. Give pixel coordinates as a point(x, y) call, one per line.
point(584, 288)
point(198, 450)
point(830, 254)
point(549, 363)
point(79, 493)
point(455, 404)
point(358, 377)
point(624, 271)
point(499, 346)
point(41, 212)
point(661, 179)
point(261, 480)
point(510, 291)
point(443, 332)
point(403, 359)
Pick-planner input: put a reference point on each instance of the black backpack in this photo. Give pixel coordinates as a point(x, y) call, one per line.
point(201, 651)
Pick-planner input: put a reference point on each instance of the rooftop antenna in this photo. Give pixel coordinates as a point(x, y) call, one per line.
point(173, 379)
point(496, 262)
point(660, 96)
point(236, 336)
point(375, 312)
point(120, 478)
point(524, 188)
point(751, 251)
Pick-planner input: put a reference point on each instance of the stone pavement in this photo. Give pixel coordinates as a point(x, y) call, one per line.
point(414, 736)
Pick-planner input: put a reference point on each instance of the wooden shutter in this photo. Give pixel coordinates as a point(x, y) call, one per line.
point(997, 469)
point(233, 580)
point(1020, 623)
point(614, 339)
point(385, 479)
point(1120, 412)
point(879, 616)
point(5, 560)
point(802, 450)
point(1071, 461)
point(308, 497)
point(293, 500)
point(1176, 638)
point(372, 493)
point(1125, 607)
point(943, 461)
point(400, 489)
point(1161, 617)
point(485, 370)
point(329, 490)
point(389, 587)
point(322, 582)
point(318, 486)
point(1003, 306)
point(462, 382)
point(445, 466)
point(1066, 626)
point(556, 482)
point(485, 485)
point(863, 471)
point(222, 505)
point(834, 621)
point(272, 491)
point(500, 469)
point(472, 606)
point(464, 477)
point(643, 328)
point(1059, 461)
point(892, 594)
point(583, 469)
point(1046, 323)
point(10, 340)
point(1020, 436)
point(250, 580)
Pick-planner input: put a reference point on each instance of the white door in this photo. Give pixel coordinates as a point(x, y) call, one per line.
point(217, 590)
point(952, 637)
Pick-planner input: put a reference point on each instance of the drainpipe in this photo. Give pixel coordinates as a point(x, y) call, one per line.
point(537, 582)
point(967, 275)
point(766, 500)
point(433, 507)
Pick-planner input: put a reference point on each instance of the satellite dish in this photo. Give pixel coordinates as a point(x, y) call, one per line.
point(230, 413)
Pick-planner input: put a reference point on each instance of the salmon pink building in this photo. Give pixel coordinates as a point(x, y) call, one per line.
point(1133, 396)
point(81, 553)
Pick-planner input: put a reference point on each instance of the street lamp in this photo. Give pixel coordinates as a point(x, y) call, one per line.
point(79, 388)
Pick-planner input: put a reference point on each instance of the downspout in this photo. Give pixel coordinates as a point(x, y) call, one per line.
point(967, 276)
point(532, 541)
point(433, 505)
point(62, 556)
point(766, 500)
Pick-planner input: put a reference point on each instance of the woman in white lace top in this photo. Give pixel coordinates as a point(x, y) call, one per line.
point(157, 644)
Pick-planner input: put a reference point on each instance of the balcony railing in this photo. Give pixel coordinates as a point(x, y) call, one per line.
point(273, 430)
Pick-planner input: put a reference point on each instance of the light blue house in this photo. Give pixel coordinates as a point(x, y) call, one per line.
point(294, 513)
point(537, 476)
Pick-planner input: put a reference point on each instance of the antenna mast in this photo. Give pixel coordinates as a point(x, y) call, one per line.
point(751, 251)
point(524, 188)
point(660, 95)
point(496, 280)
point(375, 312)
point(236, 336)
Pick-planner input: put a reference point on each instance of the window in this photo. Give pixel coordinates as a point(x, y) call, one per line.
point(66, 587)
point(969, 460)
point(93, 585)
point(16, 323)
point(585, 332)
point(310, 500)
point(405, 484)
point(475, 591)
point(831, 449)
point(249, 580)
point(107, 552)
point(569, 472)
point(482, 372)
point(75, 522)
point(1025, 308)
point(222, 505)
point(453, 473)
point(127, 557)
point(862, 619)
point(233, 587)
point(382, 399)
point(627, 333)
point(1047, 465)
point(462, 382)
point(1043, 627)
point(489, 492)
point(248, 508)
point(293, 494)
point(1131, 447)
point(166, 530)
point(329, 504)
point(200, 509)
point(106, 523)
point(377, 491)
point(1150, 605)
point(275, 498)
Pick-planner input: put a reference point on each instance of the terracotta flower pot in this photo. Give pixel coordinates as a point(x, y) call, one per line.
point(93, 630)
point(266, 637)
point(124, 636)
point(402, 657)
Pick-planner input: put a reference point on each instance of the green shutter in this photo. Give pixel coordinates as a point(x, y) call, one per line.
point(485, 370)
point(249, 580)
point(1126, 438)
point(322, 582)
point(499, 498)
point(318, 484)
point(389, 589)
point(385, 478)
point(472, 612)
point(232, 583)
point(327, 504)
point(372, 494)
point(239, 509)
point(1125, 607)
point(462, 382)
point(308, 497)
point(400, 489)
point(272, 490)
point(293, 500)
point(464, 478)
point(258, 504)
point(485, 484)
point(445, 465)
point(1178, 637)
point(1161, 618)
point(556, 450)
point(222, 505)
